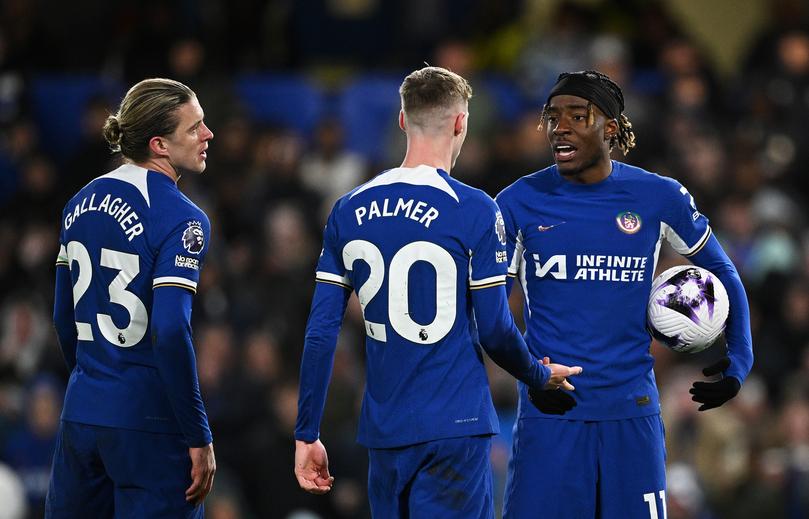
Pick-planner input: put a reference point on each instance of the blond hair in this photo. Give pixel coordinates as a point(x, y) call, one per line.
point(148, 109)
point(431, 89)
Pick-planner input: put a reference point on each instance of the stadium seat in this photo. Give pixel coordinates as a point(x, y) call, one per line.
point(59, 102)
point(368, 108)
point(286, 100)
point(509, 100)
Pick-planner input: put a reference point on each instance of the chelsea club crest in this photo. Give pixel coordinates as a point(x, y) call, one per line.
point(628, 222)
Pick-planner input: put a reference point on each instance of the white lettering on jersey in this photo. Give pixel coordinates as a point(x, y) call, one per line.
point(114, 207)
point(402, 208)
point(595, 267)
point(186, 262)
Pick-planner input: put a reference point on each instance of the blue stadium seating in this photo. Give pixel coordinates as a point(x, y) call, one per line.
point(282, 99)
point(368, 108)
point(58, 104)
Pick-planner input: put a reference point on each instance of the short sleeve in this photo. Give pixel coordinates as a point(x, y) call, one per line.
point(685, 228)
point(330, 267)
point(488, 257)
point(182, 253)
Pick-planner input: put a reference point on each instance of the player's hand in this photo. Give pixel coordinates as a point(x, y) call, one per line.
point(312, 467)
point(550, 400)
point(714, 394)
point(203, 467)
point(559, 374)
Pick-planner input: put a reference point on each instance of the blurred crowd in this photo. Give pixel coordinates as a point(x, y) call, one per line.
point(739, 143)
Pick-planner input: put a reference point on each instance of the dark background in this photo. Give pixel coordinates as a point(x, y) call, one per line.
point(302, 97)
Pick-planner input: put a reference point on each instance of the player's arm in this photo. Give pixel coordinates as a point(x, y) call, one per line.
point(64, 319)
point(177, 268)
point(176, 362)
point(325, 320)
point(177, 366)
point(689, 233)
point(497, 332)
point(504, 343)
point(737, 332)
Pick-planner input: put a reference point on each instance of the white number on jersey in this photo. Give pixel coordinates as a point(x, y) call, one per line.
point(651, 500)
point(398, 303)
point(128, 266)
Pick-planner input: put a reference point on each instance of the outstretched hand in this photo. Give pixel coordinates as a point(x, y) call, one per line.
point(714, 394)
point(549, 400)
point(312, 467)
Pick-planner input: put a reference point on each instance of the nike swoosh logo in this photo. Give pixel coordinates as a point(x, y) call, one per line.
point(543, 228)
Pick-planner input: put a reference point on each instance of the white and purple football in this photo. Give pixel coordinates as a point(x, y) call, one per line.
point(688, 308)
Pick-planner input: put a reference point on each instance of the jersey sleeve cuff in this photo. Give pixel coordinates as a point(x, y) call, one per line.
point(307, 436)
point(200, 441)
point(544, 376)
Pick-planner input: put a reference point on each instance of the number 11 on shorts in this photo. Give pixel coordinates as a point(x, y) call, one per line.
point(651, 500)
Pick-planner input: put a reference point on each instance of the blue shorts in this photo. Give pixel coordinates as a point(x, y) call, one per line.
point(102, 472)
point(449, 478)
point(587, 470)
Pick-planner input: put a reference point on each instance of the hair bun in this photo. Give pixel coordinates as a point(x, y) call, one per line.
point(112, 133)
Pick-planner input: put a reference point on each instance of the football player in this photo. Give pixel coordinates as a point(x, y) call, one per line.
point(134, 439)
point(426, 255)
point(583, 240)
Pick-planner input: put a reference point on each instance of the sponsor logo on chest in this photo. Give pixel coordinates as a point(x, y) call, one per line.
point(593, 267)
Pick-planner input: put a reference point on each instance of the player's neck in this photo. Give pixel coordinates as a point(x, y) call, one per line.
point(161, 166)
point(592, 174)
point(433, 152)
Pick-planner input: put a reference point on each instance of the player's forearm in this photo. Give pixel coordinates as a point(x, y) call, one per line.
point(737, 332)
point(502, 340)
point(176, 362)
point(325, 319)
point(63, 317)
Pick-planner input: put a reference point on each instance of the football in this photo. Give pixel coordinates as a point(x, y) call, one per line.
point(688, 308)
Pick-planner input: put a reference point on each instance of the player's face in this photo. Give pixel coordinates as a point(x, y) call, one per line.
point(577, 145)
point(188, 144)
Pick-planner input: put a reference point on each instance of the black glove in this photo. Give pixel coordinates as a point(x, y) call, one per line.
point(551, 401)
point(714, 394)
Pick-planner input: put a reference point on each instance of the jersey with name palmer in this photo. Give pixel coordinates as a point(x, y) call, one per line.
point(124, 234)
point(585, 256)
point(413, 242)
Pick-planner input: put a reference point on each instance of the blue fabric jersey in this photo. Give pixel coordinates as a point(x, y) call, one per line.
point(417, 246)
point(129, 238)
point(585, 256)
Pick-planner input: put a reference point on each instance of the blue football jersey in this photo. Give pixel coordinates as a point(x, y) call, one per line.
point(124, 234)
point(585, 257)
point(413, 242)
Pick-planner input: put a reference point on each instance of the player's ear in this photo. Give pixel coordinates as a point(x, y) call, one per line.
point(157, 145)
point(610, 129)
point(460, 122)
point(402, 121)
